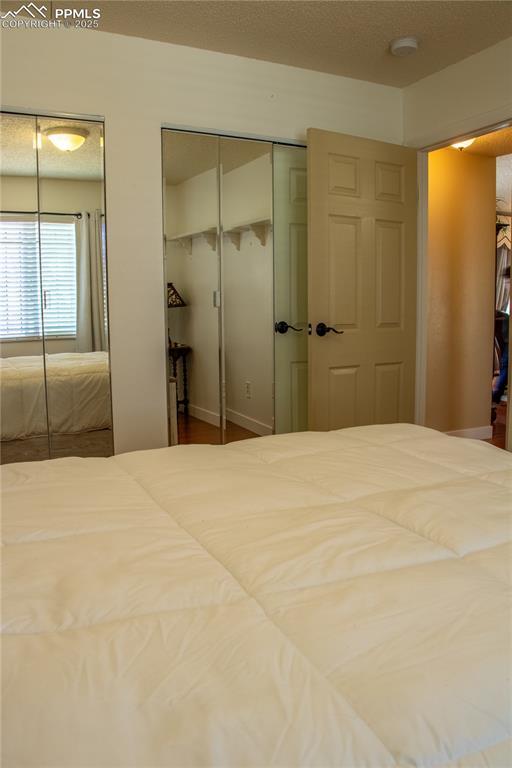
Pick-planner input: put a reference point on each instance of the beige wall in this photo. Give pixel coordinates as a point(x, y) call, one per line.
point(138, 86)
point(59, 195)
point(461, 266)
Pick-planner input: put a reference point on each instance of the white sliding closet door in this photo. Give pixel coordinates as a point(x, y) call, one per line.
point(247, 288)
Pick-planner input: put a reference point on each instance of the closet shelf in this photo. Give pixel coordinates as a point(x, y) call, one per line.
point(260, 227)
point(185, 238)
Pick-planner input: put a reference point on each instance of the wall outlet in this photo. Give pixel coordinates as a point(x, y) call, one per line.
point(248, 390)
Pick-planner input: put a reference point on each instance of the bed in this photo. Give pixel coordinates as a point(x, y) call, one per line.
point(78, 394)
point(320, 599)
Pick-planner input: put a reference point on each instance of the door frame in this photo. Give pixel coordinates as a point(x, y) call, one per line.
point(422, 265)
point(223, 134)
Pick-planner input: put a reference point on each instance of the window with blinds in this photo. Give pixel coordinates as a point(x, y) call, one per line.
point(22, 282)
point(58, 267)
point(20, 312)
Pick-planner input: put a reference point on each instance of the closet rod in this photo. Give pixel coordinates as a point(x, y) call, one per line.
point(43, 213)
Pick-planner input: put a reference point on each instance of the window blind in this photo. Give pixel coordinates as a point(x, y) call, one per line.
point(20, 287)
point(58, 263)
point(21, 290)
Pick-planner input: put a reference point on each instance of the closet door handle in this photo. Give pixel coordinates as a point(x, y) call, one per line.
point(322, 329)
point(283, 327)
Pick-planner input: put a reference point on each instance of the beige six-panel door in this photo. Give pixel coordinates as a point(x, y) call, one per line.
point(361, 280)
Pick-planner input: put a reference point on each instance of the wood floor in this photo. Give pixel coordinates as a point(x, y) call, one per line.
point(192, 430)
point(499, 428)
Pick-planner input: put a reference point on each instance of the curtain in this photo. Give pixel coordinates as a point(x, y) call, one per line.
point(90, 281)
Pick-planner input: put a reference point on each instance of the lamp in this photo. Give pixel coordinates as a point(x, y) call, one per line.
point(173, 298)
point(174, 301)
point(67, 138)
point(463, 144)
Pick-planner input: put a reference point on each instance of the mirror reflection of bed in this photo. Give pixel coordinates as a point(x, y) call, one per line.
point(54, 365)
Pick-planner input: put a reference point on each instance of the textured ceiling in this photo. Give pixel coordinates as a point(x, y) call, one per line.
point(344, 37)
point(18, 155)
point(492, 144)
point(188, 154)
point(498, 144)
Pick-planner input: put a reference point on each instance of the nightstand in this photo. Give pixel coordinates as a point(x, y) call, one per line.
point(179, 352)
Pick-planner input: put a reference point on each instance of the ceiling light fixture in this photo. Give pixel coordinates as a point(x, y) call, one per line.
point(67, 138)
point(463, 144)
point(404, 46)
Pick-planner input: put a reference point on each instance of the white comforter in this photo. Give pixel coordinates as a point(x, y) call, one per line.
point(78, 394)
point(336, 599)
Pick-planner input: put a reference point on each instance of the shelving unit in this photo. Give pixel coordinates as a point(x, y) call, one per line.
point(261, 228)
point(185, 238)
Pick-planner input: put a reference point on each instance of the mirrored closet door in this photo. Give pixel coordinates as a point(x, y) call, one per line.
point(54, 324)
point(192, 290)
point(236, 287)
point(23, 385)
point(247, 292)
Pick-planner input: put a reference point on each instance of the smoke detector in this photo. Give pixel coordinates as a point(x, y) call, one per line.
point(404, 46)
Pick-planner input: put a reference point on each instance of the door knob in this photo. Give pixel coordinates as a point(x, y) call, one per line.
point(322, 329)
point(283, 327)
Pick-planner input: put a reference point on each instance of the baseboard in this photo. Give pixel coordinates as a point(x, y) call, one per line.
point(476, 433)
point(204, 415)
point(247, 423)
point(237, 418)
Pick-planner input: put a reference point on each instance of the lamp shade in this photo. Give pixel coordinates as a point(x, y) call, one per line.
point(173, 297)
point(67, 138)
point(463, 144)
